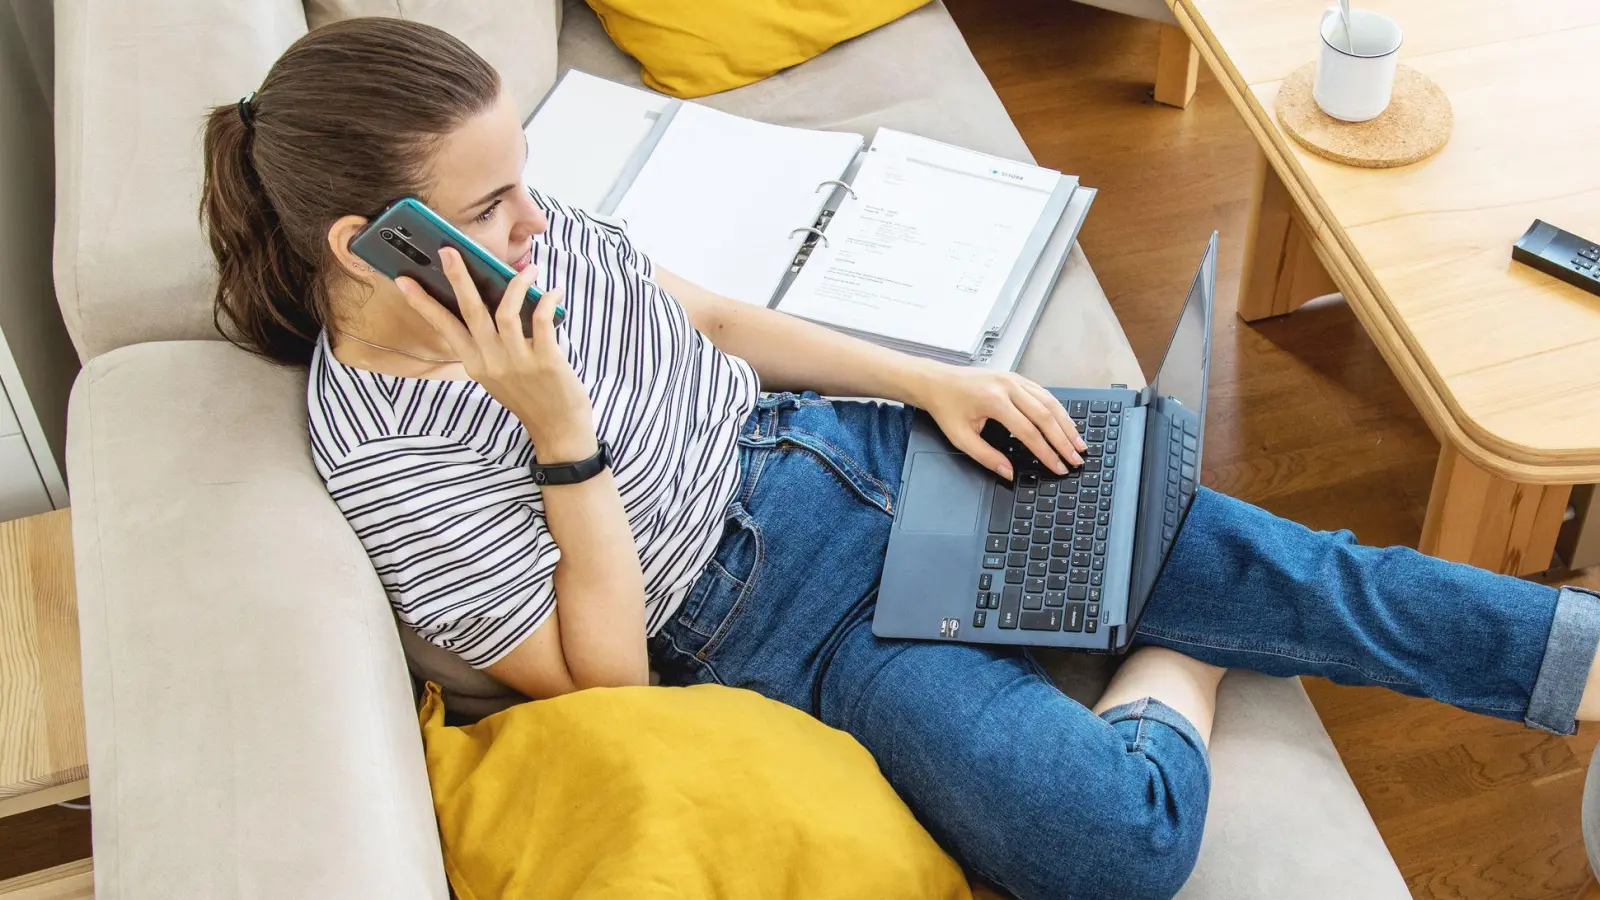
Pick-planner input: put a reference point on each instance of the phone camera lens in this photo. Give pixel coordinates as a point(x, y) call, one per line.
point(387, 234)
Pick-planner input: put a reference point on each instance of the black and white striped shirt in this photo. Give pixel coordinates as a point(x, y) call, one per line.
point(433, 475)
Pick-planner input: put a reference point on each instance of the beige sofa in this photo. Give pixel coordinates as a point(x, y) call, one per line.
point(250, 719)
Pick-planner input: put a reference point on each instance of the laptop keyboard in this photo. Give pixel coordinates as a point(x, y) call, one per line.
point(1183, 455)
point(1045, 555)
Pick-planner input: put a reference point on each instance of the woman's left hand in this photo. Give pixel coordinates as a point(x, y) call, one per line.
point(961, 400)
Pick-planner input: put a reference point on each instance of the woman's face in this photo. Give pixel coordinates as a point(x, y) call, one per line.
point(478, 184)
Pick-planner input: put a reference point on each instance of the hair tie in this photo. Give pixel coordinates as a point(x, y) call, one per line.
point(247, 111)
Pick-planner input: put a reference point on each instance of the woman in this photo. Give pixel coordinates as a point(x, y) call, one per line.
point(738, 538)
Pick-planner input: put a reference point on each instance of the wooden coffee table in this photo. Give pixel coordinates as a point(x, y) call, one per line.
point(43, 759)
point(1503, 362)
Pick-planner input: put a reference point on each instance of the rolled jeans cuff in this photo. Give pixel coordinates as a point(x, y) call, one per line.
point(1568, 654)
point(1148, 711)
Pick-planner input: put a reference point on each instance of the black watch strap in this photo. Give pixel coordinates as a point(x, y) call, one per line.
point(573, 472)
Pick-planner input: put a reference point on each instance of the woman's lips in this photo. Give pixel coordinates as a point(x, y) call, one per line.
point(523, 261)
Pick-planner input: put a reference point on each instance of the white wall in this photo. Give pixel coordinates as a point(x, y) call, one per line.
point(37, 363)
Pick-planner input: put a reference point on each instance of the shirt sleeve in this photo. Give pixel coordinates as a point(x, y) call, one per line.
point(460, 543)
point(612, 232)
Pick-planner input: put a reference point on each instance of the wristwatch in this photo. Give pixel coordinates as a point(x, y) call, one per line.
point(573, 472)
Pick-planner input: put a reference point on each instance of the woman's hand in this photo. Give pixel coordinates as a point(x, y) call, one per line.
point(528, 374)
point(962, 399)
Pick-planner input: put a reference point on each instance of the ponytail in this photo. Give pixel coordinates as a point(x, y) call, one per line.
point(346, 121)
point(267, 298)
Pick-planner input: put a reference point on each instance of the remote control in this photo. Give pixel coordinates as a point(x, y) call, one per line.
point(1560, 253)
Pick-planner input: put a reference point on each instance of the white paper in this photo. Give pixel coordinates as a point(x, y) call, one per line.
point(720, 198)
point(583, 136)
point(921, 252)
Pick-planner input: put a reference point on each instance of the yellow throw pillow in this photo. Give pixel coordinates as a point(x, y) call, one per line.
point(690, 48)
point(650, 792)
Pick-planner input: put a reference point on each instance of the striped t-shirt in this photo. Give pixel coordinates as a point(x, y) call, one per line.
point(433, 474)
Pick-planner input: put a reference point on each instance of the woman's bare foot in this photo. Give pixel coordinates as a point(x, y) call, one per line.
point(1187, 685)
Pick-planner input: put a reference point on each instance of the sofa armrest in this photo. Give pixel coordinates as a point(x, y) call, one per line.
point(134, 79)
point(251, 725)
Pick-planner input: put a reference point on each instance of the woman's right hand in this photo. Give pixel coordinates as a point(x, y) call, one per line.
point(528, 374)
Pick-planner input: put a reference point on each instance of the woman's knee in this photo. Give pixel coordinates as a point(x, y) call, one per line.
point(1138, 837)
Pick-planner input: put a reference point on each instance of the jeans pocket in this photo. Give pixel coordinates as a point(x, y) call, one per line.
point(722, 589)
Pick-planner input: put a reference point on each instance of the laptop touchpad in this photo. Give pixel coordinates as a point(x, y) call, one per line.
point(944, 494)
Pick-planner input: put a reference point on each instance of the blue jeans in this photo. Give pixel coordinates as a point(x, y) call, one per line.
point(1026, 787)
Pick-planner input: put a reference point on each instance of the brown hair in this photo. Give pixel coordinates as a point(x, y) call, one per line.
point(345, 122)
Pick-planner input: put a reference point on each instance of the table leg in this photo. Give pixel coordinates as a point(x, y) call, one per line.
point(1478, 518)
point(1177, 68)
point(1281, 269)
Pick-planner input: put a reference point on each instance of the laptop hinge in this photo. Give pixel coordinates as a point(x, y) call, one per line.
point(1146, 394)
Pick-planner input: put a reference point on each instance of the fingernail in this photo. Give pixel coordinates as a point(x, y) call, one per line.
point(1005, 471)
point(1060, 468)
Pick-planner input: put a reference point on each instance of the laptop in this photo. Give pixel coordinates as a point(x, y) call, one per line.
point(1046, 560)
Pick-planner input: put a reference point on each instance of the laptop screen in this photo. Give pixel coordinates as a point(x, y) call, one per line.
point(1174, 433)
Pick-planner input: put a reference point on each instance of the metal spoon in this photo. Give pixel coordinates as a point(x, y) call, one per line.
point(1344, 15)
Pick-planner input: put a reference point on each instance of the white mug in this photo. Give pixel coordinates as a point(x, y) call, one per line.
point(1355, 72)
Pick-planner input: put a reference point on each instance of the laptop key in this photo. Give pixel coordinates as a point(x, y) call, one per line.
point(1085, 527)
point(1023, 511)
point(1105, 504)
point(1058, 582)
point(1054, 598)
point(1060, 548)
point(980, 619)
point(1000, 509)
point(1043, 520)
point(1027, 495)
point(1047, 488)
point(1022, 527)
point(1074, 617)
point(1082, 543)
point(1080, 559)
point(1019, 543)
point(1065, 516)
point(1092, 611)
point(1099, 564)
point(1077, 591)
point(1039, 551)
point(983, 599)
point(1036, 568)
point(1028, 480)
point(994, 561)
point(1096, 579)
point(986, 581)
point(1092, 465)
point(1094, 594)
point(1097, 421)
point(1016, 560)
point(1090, 626)
point(1102, 533)
point(1099, 548)
point(1116, 406)
point(1043, 620)
point(1041, 535)
point(1032, 601)
point(1079, 576)
point(1078, 408)
point(1059, 566)
point(1098, 406)
point(1014, 576)
point(994, 544)
point(1063, 531)
point(1045, 505)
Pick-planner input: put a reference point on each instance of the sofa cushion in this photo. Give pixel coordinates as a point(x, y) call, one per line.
point(914, 74)
point(708, 46)
point(648, 792)
point(517, 37)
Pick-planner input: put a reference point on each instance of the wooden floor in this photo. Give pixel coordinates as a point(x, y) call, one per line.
point(1304, 419)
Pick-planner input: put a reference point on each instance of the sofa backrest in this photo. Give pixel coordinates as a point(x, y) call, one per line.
point(134, 79)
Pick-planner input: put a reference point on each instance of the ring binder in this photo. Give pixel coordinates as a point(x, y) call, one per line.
point(814, 230)
point(844, 184)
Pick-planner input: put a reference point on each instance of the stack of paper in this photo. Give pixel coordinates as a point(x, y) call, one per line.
point(930, 248)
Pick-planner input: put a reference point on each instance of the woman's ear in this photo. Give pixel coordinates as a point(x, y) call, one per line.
point(340, 234)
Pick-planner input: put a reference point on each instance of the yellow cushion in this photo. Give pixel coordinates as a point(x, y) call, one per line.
point(651, 792)
point(690, 48)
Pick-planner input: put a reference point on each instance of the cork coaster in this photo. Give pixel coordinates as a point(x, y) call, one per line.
point(1416, 124)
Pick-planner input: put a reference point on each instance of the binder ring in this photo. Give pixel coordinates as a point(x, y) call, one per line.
point(844, 184)
point(816, 231)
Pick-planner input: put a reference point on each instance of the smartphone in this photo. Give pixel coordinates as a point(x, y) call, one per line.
point(405, 239)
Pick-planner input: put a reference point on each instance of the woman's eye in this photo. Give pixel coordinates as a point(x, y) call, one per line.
point(487, 214)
